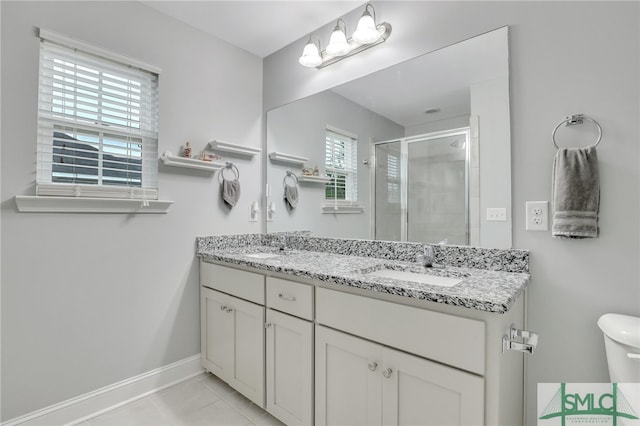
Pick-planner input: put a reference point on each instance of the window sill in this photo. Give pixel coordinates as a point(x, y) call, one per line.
point(333, 209)
point(43, 204)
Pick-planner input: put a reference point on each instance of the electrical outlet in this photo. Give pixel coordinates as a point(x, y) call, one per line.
point(496, 214)
point(537, 216)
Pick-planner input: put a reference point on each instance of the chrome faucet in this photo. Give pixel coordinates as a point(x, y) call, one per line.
point(429, 254)
point(282, 244)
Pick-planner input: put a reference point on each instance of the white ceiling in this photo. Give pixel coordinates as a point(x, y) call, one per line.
point(260, 27)
point(440, 79)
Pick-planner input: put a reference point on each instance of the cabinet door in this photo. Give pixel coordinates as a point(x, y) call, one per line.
point(348, 380)
point(232, 333)
point(248, 371)
point(289, 368)
point(216, 330)
point(416, 391)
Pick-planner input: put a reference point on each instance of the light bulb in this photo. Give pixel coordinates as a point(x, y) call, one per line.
point(338, 45)
point(310, 55)
point(366, 32)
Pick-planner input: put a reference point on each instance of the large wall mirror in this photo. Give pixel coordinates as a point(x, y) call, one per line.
point(419, 151)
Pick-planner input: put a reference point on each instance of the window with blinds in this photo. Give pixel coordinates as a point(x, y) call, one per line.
point(341, 163)
point(393, 178)
point(97, 126)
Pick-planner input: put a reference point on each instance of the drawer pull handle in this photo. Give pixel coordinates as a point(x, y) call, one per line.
point(289, 298)
point(373, 366)
point(387, 373)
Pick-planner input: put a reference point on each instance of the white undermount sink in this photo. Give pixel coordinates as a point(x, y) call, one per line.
point(416, 277)
point(262, 255)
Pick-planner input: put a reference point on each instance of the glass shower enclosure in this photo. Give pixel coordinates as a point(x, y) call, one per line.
point(422, 188)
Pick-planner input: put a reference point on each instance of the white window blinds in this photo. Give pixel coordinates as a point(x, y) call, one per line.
point(97, 126)
point(341, 162)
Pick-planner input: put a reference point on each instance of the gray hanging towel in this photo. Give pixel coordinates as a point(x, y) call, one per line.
point(291, 195)
point(230, 192)
point(576, 193)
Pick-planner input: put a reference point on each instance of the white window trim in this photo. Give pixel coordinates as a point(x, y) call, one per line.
point(95, 50)
point(57, 198)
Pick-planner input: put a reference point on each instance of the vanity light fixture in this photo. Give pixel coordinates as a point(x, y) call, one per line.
point(311, 54)
point(366, 35)
point(338, 44)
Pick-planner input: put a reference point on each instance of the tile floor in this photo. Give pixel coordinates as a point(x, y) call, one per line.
point(202, 400)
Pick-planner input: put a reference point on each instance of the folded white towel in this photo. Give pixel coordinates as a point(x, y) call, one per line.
point(576, 193)
point(230, 192)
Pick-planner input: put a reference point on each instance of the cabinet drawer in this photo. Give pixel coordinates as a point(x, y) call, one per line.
point(242, 284)
point(452, 340)
point(290, 297)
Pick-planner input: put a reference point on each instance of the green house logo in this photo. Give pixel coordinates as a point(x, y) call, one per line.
point(588, 406)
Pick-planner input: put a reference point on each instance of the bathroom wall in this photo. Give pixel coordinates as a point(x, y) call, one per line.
point(490, 105)
point(438, 126)
point(290, 130)
point(92, 299)
point(565, 58)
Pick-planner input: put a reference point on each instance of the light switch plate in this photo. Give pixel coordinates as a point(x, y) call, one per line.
point(496, 214)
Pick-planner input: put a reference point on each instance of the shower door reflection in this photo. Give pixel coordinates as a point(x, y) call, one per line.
point(422, 187)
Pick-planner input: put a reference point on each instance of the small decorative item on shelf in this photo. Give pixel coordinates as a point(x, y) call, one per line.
point(316, 172)
point(209, 156)
point(307, 172)
point(186, 151)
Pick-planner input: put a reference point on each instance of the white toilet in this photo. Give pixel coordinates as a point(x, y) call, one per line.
point(622, 344)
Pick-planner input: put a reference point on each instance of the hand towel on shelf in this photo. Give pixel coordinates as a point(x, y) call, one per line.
point(291, 195)
point(576, 193)
point(230, 192)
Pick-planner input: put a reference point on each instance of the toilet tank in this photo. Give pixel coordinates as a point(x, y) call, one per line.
point(622, 344)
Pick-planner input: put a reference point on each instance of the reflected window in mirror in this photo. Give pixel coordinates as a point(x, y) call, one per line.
point(341, 163)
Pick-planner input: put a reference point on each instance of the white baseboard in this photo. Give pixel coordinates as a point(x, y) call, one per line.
point(84, 407)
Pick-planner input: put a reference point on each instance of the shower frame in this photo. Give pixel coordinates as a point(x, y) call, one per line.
point(404, 162)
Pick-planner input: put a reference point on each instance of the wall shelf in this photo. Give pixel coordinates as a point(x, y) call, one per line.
point(50, 204)
point(233, 148)
point(189, 163)
point(287, 158)
point(314, 179)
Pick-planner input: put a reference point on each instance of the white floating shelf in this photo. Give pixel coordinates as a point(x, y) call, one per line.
point(314, 179)
point(190, 163)
point(287, 158)
point(233, 148)
point(48, 204)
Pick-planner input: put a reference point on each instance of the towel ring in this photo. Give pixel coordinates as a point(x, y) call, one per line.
point(291, 175)
point(573, 120)
point(233, 169)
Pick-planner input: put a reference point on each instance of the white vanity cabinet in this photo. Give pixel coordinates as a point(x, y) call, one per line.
point(232, 329)
point(289, 356)
point(359, 382)
point(316, 352)
point(367, 382)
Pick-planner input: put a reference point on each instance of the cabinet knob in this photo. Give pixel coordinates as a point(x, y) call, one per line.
point(373, 366)
point(387, 373)
point(267, 324)
point(223, 308)
point(228, 309)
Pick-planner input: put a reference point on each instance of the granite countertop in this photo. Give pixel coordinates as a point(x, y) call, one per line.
point(480, 289)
